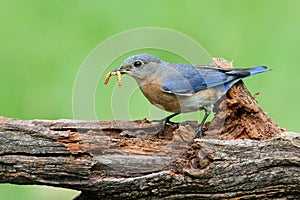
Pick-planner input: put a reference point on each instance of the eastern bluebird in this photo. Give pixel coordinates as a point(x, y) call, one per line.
point(181, 88)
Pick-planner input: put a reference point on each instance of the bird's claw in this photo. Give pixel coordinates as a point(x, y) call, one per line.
point(198, 134)
point(163, 121)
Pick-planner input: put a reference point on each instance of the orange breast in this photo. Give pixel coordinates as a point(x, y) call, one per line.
point(157, 97)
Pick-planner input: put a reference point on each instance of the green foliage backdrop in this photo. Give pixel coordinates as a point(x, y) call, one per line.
point(43, 43)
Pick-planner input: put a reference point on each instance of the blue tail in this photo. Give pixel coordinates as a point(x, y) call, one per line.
point(257, 70)
point(245, 72)
point(238, 74)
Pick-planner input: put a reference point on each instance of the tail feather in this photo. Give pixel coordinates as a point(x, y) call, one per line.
point(245, 72)
point(257, 70)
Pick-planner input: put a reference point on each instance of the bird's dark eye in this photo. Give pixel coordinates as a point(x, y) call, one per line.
point(138, 63)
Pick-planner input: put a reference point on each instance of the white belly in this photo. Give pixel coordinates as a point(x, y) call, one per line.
point(201, 99)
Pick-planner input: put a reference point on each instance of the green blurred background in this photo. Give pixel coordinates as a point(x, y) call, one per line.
point(43, 43)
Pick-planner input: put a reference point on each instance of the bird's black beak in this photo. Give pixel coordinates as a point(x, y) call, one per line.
point(123, 69)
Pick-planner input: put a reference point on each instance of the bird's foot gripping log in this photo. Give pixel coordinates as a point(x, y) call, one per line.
point(181, 88)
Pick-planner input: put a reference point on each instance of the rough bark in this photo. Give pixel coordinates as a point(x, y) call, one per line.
point(110, 160)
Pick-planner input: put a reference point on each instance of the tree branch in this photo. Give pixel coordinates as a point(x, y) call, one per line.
point(106, 160)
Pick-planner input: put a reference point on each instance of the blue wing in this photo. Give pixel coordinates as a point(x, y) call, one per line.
point(184, 79)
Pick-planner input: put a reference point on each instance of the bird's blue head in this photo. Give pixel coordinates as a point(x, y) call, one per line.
point(140, 66)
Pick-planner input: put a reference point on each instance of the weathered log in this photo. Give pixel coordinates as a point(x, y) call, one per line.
point(111, 160)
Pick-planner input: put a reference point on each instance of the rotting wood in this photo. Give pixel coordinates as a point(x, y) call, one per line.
point(91, 156)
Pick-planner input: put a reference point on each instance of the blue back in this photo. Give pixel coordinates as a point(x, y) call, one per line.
point(185, 79)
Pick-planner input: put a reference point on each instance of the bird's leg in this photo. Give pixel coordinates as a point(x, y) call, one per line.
point(199, 129)
point(163, 122)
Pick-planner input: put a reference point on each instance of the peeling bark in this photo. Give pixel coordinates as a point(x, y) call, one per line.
point(100, 159)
